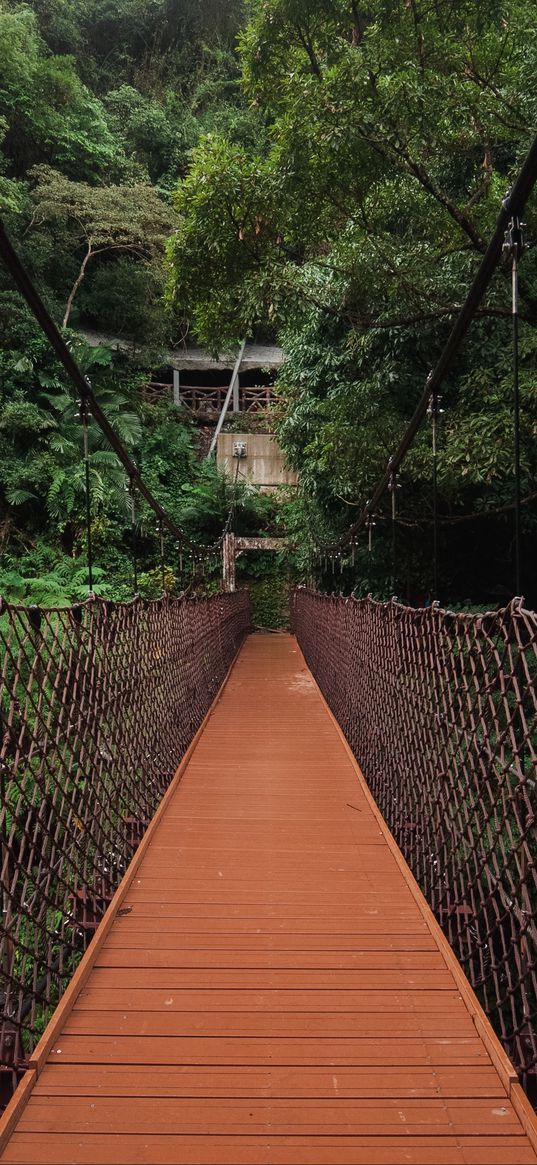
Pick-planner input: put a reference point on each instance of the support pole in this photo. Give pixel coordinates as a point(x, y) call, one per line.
point(370, 522)
point(132, 503)
point(229, 393)
point(393, 487)
point(513, 248)
point(85, 416)
point(229, 557)
point(161, 549)
point(516, 423)
point(435, 510)
point(434, 413)
point(235, 405)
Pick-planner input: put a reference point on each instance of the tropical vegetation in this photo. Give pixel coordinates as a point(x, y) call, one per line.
point(320, 173)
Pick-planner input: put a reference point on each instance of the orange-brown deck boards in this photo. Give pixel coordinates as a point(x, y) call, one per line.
point(273, 990)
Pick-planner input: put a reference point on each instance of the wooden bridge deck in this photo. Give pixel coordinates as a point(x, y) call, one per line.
point(269, 986)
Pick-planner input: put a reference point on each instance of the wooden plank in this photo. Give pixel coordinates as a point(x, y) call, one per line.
point(208, 877)
point(269, 941)
point(271, 1082)
point(204, 849)
point(389, 1051)
point(525, 1113)
point(95, 1149)
point(271, 835)
point(263, 895)
point(140, 907)
point(306, 1023)
point(170, 1001)
point(363, 925)
point(203, 868)
point(234, 788)
point(150, 890)
point(304, 980)
point(118, 1115)
point(225, 960)
point(370, 852)
point(230, 807)
point(16, 1106)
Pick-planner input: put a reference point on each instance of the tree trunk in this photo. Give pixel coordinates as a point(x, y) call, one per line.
point(76, 284)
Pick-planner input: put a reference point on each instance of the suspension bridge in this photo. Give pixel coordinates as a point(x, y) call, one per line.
point(259, 976)
point(270, 898)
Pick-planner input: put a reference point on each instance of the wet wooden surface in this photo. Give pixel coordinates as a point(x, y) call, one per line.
point(272, 991)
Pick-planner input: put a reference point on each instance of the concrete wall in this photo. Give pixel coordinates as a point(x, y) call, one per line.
point(264, 463)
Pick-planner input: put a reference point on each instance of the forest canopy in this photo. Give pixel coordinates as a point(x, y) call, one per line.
point(100, 108)
point(322, 173)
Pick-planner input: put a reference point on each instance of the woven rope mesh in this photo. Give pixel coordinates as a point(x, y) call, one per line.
point(440, 711)
point(98, 703)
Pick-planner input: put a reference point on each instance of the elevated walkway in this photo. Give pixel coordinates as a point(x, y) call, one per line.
point(269, 985)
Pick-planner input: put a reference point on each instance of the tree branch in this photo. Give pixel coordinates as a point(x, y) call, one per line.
point(76, 284)
point(358, 25)
point(90, 254)
point(308, 48)
point(440, 312)
point(460, 518)
point(459, 216)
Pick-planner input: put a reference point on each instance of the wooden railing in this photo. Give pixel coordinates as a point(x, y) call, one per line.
point(202, 400)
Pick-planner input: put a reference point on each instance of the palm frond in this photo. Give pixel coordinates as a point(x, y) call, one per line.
point(17, 497)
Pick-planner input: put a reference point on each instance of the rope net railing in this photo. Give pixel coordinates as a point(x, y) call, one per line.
point(98, 702)
point(440, 711)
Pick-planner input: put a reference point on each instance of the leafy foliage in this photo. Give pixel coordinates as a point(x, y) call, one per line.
point(100, 221)
point(100, 107)
point(354, 228)
point(335, 183)
point(50, 114)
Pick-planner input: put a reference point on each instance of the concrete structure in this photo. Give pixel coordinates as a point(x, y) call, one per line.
point(194, 359)
point(261, 460)
point(254, 356)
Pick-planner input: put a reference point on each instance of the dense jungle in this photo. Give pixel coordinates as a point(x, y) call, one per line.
point(320, 174)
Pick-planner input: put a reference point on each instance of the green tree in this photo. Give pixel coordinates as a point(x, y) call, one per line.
point(41, 465)
point(394, 129)
point(107, 102)
point(51, 116)
point(100, 220)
